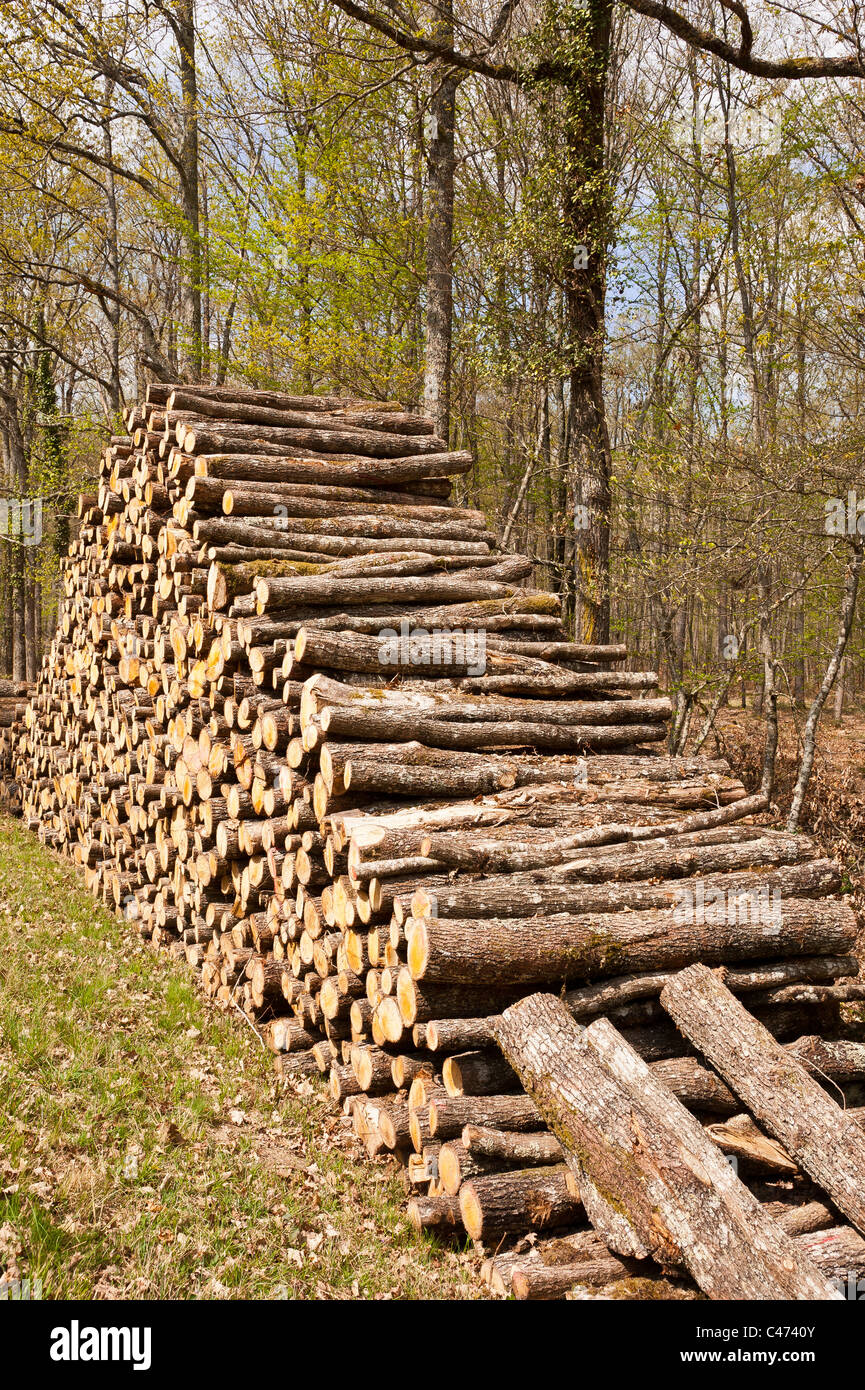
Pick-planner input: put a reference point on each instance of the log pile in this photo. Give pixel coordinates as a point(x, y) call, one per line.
point(305, 725)
point(14, 699)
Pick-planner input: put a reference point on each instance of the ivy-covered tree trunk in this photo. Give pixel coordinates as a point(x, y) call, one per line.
point(585, 38)
point(440, 221)
point(191, 275)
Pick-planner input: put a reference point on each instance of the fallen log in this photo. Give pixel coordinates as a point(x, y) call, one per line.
point(307, 431)
point(338, 470)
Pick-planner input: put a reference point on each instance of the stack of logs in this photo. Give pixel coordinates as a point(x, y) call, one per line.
point(306, 726)
point(14, 698)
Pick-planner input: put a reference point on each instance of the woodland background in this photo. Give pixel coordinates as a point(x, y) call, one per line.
point(278, 194)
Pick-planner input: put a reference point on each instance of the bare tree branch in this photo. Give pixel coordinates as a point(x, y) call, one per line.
point(475, 62)
point(742, 57)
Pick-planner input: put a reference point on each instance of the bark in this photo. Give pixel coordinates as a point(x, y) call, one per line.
point(587, 231)
point(456, 1034)
point(839, 691)
point(419, 1004)
point(311, 432)
point(590, 737)
point(256, 499)
point(478, 1073)
point(347, 470)
point(192, 274)
point(111, 309)
point(244, 543)
point(573, 857)
point(456, 1166)
point(527, 1150)
point(499, 771)
point(695, 1085)
point(435, 1214)
point(324, 590)
point(511, 896)
point(449, 1115)
point(596, 999)
point(158, 394)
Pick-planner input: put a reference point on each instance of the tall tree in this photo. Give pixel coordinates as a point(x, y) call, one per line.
point(569, 50)
point(441, 130)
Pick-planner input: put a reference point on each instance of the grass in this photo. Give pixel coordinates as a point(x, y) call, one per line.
point(146, 1148)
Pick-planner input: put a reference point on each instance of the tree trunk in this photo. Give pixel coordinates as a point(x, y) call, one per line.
point(111, 308)
point(32, 655)
point(191, 274)
point(17, 462)
point(440, 217)
point(809, 736)
point(839, 691)
point(586, 232)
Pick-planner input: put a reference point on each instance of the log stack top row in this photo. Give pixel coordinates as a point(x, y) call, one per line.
point(306, 725)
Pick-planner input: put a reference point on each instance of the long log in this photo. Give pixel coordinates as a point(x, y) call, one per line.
point(604, 729)
point(346, 471)
point(315, 431)
point(325, 590)
point(407, 704)
point(568, 857)
point(291, 501)
point(511, 896)
point(211, 492)
point(158, 393)
point(528, 951)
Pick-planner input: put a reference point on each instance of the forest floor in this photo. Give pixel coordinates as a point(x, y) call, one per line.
point(146, 1148)
point(834, 808)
